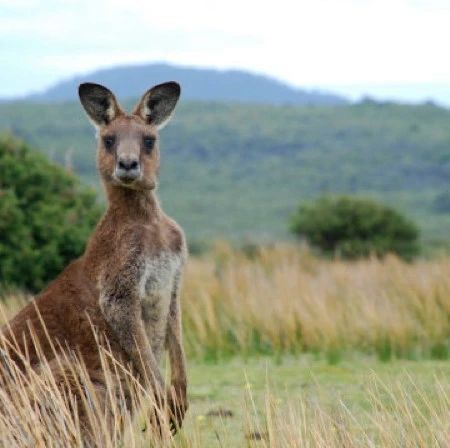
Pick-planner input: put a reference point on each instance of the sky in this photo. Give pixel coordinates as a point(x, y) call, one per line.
point(385, 48)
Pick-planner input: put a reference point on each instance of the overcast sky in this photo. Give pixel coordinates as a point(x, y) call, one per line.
point(383, 47)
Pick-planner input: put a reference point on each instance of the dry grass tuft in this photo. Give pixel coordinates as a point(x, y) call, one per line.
point(284, 299)
point(57, 403)
point(399, 415)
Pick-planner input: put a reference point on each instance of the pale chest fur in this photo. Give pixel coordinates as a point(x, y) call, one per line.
point(159, 272)
point(157, 283)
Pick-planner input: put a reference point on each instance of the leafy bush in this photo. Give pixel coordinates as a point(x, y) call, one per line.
point(46, 216)
point(353, 227)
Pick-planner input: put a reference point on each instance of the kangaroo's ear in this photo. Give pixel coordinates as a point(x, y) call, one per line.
point(158, 103)
point(99, 103)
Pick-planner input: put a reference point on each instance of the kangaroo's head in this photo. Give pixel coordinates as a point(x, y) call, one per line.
point(128, 153)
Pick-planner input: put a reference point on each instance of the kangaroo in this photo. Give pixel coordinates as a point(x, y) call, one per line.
point(127, 282)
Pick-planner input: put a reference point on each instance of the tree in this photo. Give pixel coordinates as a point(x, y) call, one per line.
point(353, 227)
point(46, 216)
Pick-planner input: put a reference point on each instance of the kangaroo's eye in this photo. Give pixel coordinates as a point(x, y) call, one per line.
point(148, 143)
point(109, 141)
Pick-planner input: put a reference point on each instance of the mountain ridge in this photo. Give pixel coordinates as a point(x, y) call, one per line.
point(199, 84)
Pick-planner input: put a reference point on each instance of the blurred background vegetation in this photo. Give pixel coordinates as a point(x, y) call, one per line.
point(46, 216)
point(353, 227)
point(364, 180)
point(238, 171)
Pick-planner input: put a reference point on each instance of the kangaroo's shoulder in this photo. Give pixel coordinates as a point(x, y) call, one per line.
point(165, 236)
point(174, 236)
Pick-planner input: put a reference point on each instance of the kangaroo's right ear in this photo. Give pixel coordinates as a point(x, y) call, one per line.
point(99, 103)
point(158, 103)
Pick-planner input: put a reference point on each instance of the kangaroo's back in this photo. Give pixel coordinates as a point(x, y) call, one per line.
point(65, 315)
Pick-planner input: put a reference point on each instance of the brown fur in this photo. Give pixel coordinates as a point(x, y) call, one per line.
point(126, 284)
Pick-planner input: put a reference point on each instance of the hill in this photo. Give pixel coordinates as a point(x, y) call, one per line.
point(198, 84)
point(239, 171)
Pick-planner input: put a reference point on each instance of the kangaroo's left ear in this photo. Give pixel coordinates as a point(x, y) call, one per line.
point(157, 104)
point(99, 103)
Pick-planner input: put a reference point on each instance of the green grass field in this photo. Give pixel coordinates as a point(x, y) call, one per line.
point(353, 393)
point(284, 350)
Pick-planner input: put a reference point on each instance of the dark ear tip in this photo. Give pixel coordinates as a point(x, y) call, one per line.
point(175, 85)
point(87, 87)
point(171, 86)
point(82, 88)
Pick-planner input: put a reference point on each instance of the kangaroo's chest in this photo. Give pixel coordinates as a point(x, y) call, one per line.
point(156, 288)
point(159, 274)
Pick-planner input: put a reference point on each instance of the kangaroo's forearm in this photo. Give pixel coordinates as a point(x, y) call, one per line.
point(126, 324)
point(177, 357)
point(174, 343)
point(178, 389)
point(144, 359)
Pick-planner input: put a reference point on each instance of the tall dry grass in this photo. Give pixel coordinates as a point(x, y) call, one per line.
point(275, 300)
point(284, 299)
point(399, 415)
point(38, 411)
point(55, 402)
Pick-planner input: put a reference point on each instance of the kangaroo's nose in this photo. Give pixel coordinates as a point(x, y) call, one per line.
point(128, 165)
point(127, 168)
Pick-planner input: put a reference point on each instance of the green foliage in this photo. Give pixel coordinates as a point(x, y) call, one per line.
point(353, 227)
point(45, 216)
point(237, 171)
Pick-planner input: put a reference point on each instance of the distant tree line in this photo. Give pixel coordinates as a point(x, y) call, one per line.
point(238, 170)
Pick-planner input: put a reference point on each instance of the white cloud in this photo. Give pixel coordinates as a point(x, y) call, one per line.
point(314, 43)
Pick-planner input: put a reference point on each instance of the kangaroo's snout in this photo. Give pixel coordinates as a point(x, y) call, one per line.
point(127, 169)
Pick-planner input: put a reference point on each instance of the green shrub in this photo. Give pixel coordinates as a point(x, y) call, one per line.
point(46, 216)
point(353, 227)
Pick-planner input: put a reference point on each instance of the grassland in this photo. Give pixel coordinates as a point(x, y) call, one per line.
point(304, 401)
point(284, 300)
point(284, 349)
